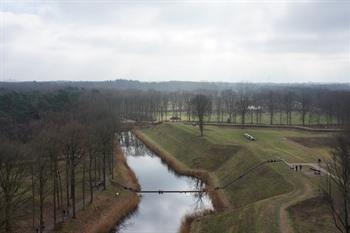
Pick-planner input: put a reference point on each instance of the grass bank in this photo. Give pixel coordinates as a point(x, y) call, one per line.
point(260, 201)
point(218, 199)
point(107, 208)
point(309, 216)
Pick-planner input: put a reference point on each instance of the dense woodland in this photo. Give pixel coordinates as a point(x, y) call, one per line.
point(56, 141)
point(56, 150)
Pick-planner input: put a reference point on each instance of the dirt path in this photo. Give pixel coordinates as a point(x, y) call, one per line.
point(315, 166)
point(302, 191)
point(294, 197)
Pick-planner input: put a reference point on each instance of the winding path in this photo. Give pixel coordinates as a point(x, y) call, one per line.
point(297, 195)
point(294, 197)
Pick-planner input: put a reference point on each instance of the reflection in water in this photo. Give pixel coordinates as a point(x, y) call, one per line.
point(159, 213)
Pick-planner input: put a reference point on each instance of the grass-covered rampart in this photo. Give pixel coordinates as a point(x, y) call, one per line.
point(258, 202)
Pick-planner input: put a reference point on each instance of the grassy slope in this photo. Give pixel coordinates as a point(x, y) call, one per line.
point(256, 199)
point(307, 212)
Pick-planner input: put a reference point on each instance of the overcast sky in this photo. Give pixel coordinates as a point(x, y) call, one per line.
point(254, 41)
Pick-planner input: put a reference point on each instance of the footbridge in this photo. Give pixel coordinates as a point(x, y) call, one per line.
point(159, 191)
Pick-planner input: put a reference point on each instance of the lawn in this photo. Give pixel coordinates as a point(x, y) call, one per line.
point(259, 201)
point(309, 216)
point(278, 118)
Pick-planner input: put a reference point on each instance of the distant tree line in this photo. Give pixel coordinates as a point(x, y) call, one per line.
point(239, 103)
point(163, 86)
point(285, 106)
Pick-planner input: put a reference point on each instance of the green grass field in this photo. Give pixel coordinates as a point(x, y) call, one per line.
point(262, 200)
point(278, 118)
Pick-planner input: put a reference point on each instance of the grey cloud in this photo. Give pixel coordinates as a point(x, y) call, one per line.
point(302, 45)
point(316, 17)
point(177, 40)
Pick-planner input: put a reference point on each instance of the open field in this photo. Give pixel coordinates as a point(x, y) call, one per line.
point(265, 199)
point(278, 118)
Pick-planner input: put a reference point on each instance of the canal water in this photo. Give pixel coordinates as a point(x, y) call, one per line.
point(159, 213)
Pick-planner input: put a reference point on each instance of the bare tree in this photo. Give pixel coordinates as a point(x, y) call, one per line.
point(229, 98)
point(243, 103)
point(188, 105)
point(271, 105)
point(338, 197)
point(288, 106)
point(201, 104)
point(91, 149)
point(12, 182)
point(305, 102)
point(72, 135)
point(219, 107)
point(45, 154)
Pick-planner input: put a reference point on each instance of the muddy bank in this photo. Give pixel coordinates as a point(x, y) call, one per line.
point(108, 209)
point(124, 173)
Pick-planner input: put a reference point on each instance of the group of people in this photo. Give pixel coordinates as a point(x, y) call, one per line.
point(297, 167)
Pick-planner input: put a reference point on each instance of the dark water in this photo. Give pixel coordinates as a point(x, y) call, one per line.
point(159, 213)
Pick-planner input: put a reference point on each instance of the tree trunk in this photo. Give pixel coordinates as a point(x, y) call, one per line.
point(90, 180)
point(67, 183)
point(104, 170)
point(33, 199)
point(99, 169)
point(72, 185)
point(95, 170)
point(60, 193)
point(112, 164)
point(8, 227)
point(54, 196)
point(201, 126)
point(243, 118)
point(280, 117)
point(271, 117)
point(83, 183)
point(41, 200)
